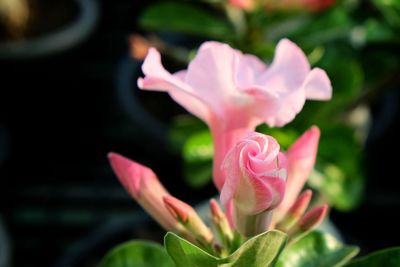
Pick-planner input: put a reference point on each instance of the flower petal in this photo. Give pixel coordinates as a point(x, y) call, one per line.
point(157, 78)
point(317, 85)
point(212, 74)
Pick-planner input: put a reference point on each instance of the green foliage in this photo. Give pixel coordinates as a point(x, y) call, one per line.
point(185, 18)
point(338, 174)
point(387, 258)
point(137, 253)
point(260, 251)
point(316, 249)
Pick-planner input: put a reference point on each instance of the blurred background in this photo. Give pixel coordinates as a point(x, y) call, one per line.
point(68, 96)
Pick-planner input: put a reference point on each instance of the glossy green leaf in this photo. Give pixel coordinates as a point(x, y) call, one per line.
point(262, 250)
point(185, 18)
point(185, 254)
point(386, 258)
point(259, 251)
point(137, 253)
point(316, 249)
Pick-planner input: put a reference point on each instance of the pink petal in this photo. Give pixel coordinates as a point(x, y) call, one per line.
point(211, 73)
point(157, 78)
point(317, 85)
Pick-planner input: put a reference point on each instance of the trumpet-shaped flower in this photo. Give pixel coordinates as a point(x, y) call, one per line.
point(255, 182)
point(234, 92)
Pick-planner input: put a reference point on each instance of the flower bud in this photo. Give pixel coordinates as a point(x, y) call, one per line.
point(300, 160)
point(296, 211)
point(309, 221)
point(255, 182)
point(221, 223)
point(189, 218)
point(144, 186)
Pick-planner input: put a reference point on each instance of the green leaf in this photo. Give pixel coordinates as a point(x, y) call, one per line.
point(180, 130)
point(185, 254)
point(338, 173)
point(259, 251)
point(390, 10)
point(198, 154)
point(388, 258)
point(262, 250)
point(316, 249)
point(137, 253)
point(199, 147)
point(185, 18)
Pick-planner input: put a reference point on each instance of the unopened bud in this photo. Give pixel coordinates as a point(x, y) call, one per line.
point(309, 221)
point(296, 211)
point(189, 218)
point(313, 218)
point(221, 223)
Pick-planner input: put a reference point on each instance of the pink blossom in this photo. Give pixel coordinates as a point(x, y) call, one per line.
point(243, 4)
point(234, 92)
point(144, 186)
point(301, 158)
point(255, 182)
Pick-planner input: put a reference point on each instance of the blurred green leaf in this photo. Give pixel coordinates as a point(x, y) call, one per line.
point(338, 173)
point(198, 154)
point(198, 147)
point(390, 10)
point(372, 31)
point(185, 18)
point(387, 258)
point(329, 26)
point(137, 253)
point(181, 129)
point(316, 249)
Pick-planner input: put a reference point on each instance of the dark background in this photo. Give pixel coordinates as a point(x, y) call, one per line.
point(60, 114)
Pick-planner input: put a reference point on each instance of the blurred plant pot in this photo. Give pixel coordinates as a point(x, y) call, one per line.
point(45, 27)
point(4, 247)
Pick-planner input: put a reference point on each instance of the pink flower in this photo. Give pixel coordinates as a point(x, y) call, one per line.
point(144, 186)
point(255, 181)
point(301, 160)
point(243, 4)
point(234, 92)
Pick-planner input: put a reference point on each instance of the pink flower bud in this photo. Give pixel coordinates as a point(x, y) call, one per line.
point(296, 211)
point(144, 186)
point(255, 181)
point(313, 218)
point(309, 221)
point(189, 218)
point(221, 223)
point(301, 159)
